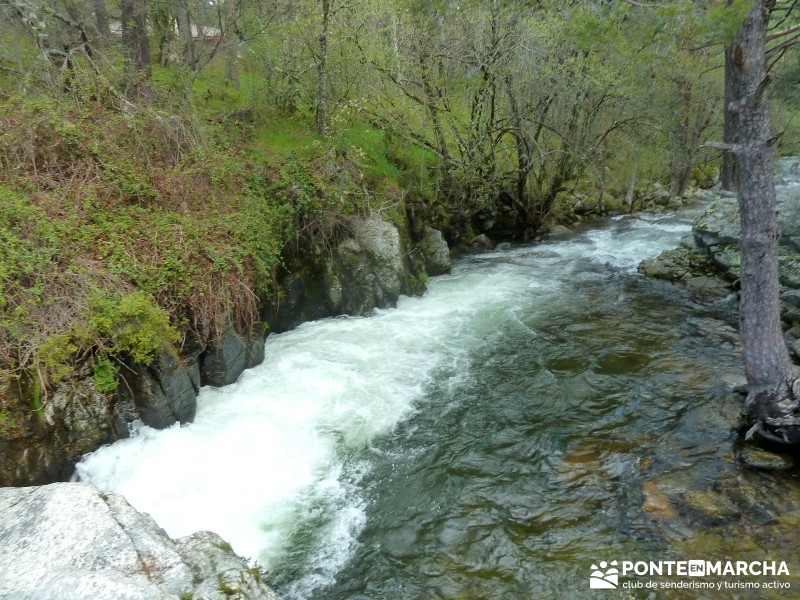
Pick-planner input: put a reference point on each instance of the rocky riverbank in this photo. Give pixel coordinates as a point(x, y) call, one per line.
point(68, 540)
point(708, 261)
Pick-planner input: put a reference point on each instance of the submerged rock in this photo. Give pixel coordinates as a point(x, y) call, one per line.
point(69, 541)
point(758, 458)
point(656, 503)
point(710, 504)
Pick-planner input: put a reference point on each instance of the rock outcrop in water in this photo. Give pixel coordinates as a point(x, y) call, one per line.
point(69, 541)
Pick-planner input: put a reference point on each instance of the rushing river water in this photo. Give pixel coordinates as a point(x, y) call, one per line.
point(539, 410)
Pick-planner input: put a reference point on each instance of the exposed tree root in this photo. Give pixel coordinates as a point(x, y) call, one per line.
point(775, 414)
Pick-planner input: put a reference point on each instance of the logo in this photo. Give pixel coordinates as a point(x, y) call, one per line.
point(697, 568)
point(604, 580)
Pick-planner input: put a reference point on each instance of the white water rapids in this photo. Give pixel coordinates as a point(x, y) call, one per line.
point(265, 458)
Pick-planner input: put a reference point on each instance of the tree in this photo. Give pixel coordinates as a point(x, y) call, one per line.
point(773, 401)
point(136, 44)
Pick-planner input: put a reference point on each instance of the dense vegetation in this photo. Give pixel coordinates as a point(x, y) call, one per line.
point(153, 182)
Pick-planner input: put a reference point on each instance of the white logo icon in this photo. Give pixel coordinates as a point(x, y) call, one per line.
point(604, 578)
point(697, 568)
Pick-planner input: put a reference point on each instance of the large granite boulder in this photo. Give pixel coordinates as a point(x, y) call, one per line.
point(381, 244)
point(436, 252)
point(367, 270)
point(716, 232)
point(69, 541)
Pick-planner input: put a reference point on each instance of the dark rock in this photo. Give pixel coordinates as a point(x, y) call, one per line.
point(481, 243)
point(791, 298)
point(710, 286)
point(176, 384)
point(255, 350)
point(224, 361)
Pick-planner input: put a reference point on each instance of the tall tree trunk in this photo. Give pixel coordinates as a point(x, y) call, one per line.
point(136, 44)
point(728, 175)
point(770, 373)
point(185, 32)
point(101, 19)
point(322, 58)
point(232, 38)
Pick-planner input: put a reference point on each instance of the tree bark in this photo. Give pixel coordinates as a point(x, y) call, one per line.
point(728, 174)
point(136, 44)
point(183, 18)
point(770, 373)
point(232, 36)
point(101, 19)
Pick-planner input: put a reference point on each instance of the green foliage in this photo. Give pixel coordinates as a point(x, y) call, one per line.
point(105, 375)
point(132, 325)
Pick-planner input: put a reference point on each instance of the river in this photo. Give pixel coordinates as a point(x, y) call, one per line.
point(538, 410)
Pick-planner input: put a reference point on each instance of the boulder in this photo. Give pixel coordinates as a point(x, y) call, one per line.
point(381, 243)
point(436, 252)
point(368, 270)
point(70, 541)
point(481, 243)
point(224, 361)
point(352, 287)
point(163, 392)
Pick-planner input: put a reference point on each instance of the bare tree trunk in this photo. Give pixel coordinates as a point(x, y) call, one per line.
point(322, 58)
point(769, 371)
point(101, 19)
point(630, 195)
point(231, 34)
point(136, 44)
point(185, 32)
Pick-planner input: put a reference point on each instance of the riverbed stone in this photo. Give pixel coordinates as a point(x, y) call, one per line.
point(710, 504)
point(758, 458)
point(656, 503)
point(709, 286)
point(672, 265)
point(70, 541)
